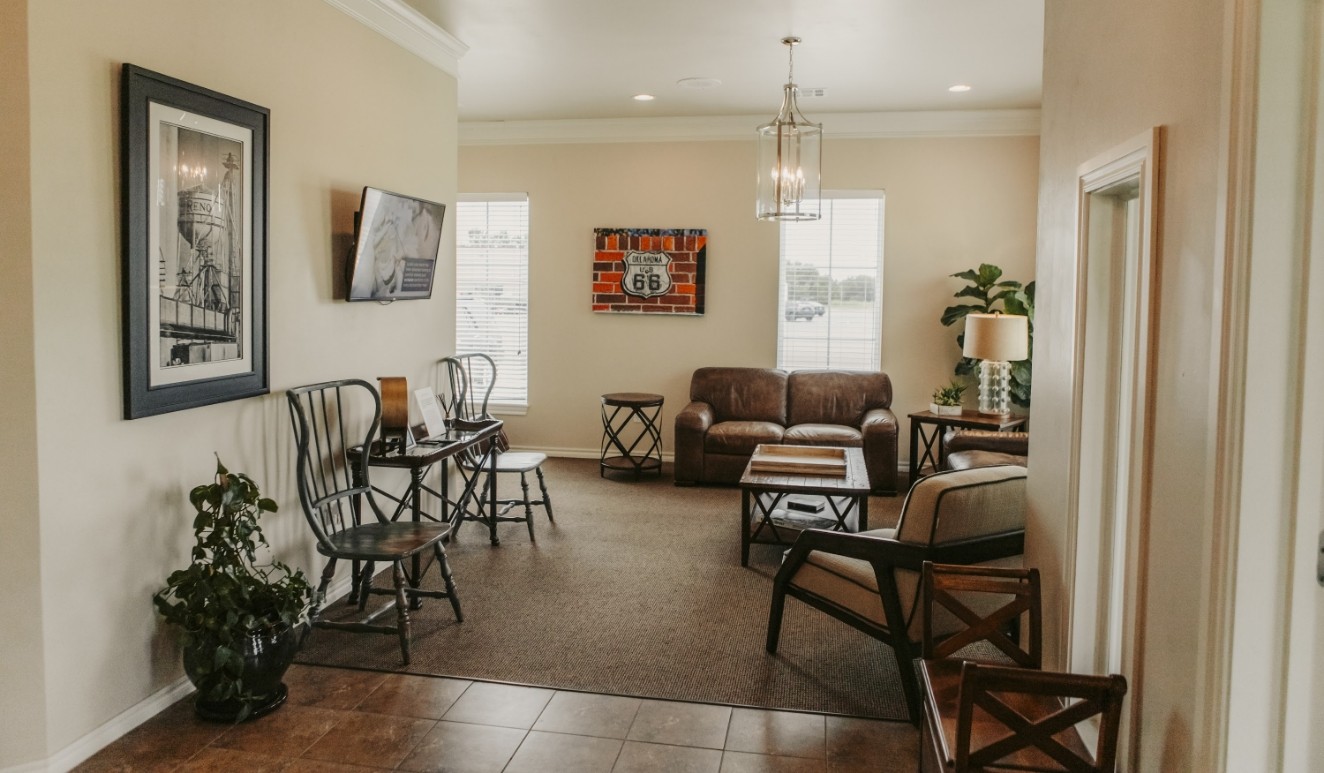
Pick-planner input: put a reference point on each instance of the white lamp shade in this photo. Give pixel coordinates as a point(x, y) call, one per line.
point(998, 337)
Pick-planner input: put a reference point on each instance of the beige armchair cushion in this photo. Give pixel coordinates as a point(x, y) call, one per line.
point(941, 508)
point(847, 582)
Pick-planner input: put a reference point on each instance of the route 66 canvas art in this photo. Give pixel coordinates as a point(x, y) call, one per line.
point(649, 270)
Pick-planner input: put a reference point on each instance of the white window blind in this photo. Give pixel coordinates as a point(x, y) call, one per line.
point(492, 289)
point(830, 313)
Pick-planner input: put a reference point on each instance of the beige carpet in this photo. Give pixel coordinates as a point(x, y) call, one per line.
point(636, 590)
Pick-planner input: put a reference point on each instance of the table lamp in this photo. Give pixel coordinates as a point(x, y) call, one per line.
point(996, 340)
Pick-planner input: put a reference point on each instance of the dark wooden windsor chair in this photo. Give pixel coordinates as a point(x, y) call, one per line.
point(469, 380)
point(333, 448)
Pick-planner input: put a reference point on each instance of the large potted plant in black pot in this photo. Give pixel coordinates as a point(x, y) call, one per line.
point(240, 621)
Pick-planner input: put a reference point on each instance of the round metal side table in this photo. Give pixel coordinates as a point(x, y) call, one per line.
point(620, 453)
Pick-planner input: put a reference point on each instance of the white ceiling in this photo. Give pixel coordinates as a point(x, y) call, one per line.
point(577, 59)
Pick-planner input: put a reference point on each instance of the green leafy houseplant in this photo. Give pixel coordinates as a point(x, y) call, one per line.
point(225, 600)
point(989, 293)
point(949, 395)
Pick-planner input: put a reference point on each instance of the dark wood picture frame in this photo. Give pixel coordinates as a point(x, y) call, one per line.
point(194, 289)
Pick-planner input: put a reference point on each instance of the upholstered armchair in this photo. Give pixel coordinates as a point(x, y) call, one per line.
point(870, 580)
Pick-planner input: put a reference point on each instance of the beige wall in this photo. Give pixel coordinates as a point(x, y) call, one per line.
point(348, 108)
point(951, 203)
point(22, 671)
point(1112, 71)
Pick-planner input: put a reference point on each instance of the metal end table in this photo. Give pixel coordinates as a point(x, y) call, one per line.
point(644, 452)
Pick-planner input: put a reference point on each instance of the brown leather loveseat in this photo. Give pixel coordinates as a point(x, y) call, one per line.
point(732, 410)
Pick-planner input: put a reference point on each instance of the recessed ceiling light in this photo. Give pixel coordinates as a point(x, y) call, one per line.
point(698, 83)
point(958, 88)
point(644, 97)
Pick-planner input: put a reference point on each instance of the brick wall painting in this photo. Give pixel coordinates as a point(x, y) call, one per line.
point(649, 270)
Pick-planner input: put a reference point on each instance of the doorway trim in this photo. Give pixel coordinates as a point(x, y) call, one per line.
point(1137, 161)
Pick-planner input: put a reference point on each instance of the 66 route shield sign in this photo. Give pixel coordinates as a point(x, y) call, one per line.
point(646, 274)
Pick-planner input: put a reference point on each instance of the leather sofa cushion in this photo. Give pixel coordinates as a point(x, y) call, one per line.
point(823, 435)
point(965, 460)
point(742, 394)
point(835, 396)
point(740, 437)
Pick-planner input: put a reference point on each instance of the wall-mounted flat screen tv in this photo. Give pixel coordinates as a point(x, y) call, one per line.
point(396, 242)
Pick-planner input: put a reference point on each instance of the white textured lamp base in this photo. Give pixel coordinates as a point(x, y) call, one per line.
point(995, 387)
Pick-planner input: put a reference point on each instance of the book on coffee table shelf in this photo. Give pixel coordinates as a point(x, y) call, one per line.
point(805, 504)
point(799, 460)
point(789, 519)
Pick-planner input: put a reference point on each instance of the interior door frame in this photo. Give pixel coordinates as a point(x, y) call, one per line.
point(1140, 158)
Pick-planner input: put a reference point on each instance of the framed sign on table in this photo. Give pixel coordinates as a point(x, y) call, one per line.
point(195, 167)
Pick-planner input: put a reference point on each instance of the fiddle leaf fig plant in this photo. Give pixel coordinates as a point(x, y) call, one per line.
point(226, 594)
point(989, 292)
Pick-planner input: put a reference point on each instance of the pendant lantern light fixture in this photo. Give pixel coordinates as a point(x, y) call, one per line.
point(790, 154)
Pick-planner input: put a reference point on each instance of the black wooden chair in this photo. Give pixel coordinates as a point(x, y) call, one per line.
point(467, 388)
point(335, 424)
point(871, 580)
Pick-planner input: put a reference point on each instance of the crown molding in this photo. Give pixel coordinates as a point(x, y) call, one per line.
point(930, 123)
point(410, 29)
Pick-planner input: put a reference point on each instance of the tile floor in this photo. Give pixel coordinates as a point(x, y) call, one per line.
point(345, 720)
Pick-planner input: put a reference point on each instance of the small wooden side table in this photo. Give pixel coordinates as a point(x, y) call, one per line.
point(644, 452)
point(928, 447)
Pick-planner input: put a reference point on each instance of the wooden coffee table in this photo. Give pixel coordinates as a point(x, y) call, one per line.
point(761, 494)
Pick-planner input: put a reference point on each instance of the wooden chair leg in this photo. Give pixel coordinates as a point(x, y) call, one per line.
point(364, 584)
point(319, 599)
point(546, 500)
point(401, 607)
point(775, 618)
point(449, 580)
point(528, 507)
point(905, 666)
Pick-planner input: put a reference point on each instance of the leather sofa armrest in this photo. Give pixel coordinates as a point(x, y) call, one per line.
point(879, 428)
point(695, 417)
point(692, 424)
point(1015, 443)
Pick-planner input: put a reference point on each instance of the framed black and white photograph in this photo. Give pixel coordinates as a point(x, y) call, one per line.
point(195, 235)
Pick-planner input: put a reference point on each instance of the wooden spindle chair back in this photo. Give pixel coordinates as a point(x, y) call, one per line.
point(329, 429)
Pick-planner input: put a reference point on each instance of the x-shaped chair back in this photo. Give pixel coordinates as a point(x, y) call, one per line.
point(1025, 720)
point(955, 588)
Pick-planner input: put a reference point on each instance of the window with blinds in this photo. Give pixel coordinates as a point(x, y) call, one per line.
point(492, 290)
point(831, 309)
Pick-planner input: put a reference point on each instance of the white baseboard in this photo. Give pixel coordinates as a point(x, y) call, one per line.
point(580, 453)
point(81, 750)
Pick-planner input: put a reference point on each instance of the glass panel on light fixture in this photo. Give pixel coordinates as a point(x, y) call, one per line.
point(788, 185)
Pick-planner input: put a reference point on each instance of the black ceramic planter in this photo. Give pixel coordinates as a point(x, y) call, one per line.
point(267, 654)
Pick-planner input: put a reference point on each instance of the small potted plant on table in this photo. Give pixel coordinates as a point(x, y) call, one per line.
point(240, 621)
point(947, 400)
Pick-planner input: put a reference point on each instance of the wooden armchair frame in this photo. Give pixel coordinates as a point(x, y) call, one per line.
point(885, 556)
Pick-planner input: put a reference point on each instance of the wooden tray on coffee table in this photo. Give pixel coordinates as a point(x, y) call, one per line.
point(799, 460)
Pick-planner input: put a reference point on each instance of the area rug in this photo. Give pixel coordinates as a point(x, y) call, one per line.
point(637, 589)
